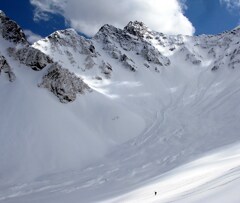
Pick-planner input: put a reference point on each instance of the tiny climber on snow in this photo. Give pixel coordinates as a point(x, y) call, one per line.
point(155, 193)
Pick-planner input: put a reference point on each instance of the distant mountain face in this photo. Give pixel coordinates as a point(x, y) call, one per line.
point(136, 42)
point(67, 100)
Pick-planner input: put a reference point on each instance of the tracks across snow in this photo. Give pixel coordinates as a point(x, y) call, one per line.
point(171, 138)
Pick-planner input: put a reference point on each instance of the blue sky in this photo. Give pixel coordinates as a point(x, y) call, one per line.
point(210, 17)
point(22, 12)
point(207, 16)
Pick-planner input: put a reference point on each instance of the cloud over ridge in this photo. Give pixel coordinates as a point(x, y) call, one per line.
point(88, 16)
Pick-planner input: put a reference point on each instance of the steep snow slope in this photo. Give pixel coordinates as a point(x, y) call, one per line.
point(40, 135)
point(155, 102)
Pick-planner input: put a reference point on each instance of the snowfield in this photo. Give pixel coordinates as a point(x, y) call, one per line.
point(161, 114)
point(213, 178)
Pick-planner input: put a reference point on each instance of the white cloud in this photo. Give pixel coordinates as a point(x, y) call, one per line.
point(231, 4)
point(32, 37)
point(88, 16)
point(45, 7)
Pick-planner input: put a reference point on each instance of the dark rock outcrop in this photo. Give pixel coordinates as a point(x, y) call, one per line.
point(5, 68)
point(136, 28)
point(64, 84)
point(31, 57)
point(11, 31)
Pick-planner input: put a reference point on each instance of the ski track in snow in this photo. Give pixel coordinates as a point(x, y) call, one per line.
point(116, 169)
point(169, 115)
point(192, 180)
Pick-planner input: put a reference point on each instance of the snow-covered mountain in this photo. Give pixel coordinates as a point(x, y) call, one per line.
point(112, 112)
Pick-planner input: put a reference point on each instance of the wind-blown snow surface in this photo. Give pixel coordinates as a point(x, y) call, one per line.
point(213, 178)
point(158, 102)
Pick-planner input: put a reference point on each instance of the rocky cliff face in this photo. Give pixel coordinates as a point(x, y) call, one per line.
point(27, 55)
point(63, 84)
point(10, 30)
point(20, 48)
point(66, 46)
point(31, 57)
point(117, 43)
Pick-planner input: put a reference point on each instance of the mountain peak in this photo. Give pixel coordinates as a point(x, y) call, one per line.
point(10, 30)
point(107, 28)
point(136, 28)
point(2, 14)
point(68, 31)
point(237, 28)
point(136, 23)
point(63, 33)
